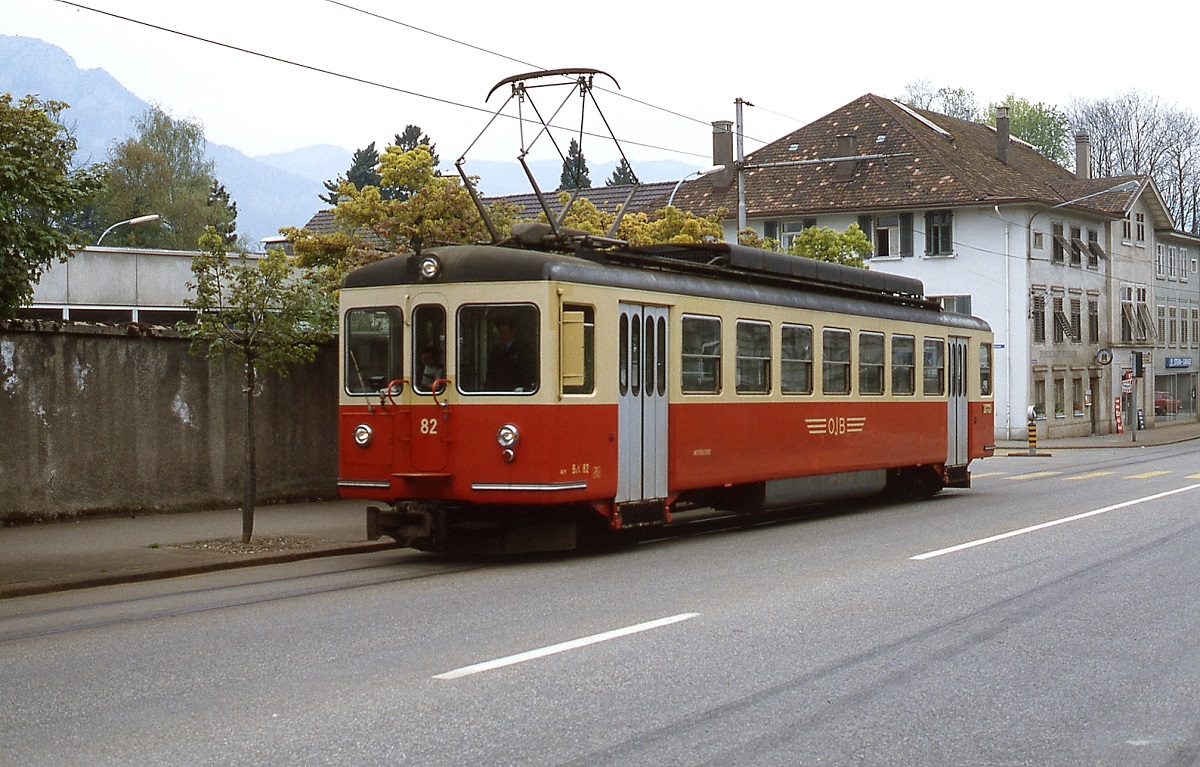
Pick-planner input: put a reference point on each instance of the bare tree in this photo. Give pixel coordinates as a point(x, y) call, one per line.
point(1136, 133)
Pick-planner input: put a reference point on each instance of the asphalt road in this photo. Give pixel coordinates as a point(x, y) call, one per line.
point(1047, 616)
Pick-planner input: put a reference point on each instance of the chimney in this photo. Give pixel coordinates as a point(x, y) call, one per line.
point(844, 169)
point(723, 152)
point(1083, 155)
point(1002, 131)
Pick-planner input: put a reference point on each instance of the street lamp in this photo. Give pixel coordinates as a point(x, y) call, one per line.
point(697, 174)
point(132, 222)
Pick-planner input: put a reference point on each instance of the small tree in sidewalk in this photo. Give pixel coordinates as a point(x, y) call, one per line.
point(266, 315)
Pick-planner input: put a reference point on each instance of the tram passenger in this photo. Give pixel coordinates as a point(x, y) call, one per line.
point(511, 362)
point(431, 368)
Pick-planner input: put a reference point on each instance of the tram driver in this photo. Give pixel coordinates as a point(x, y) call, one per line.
point(511, 364)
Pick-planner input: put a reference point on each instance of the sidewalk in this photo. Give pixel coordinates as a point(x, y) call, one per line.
point(59, 556)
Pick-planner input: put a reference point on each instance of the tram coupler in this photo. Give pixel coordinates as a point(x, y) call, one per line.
point(405, 526)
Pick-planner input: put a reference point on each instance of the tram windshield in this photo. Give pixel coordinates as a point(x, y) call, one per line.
point(374, 348)
point(498, 349)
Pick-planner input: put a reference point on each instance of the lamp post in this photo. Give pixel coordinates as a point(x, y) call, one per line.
point(131, 222)
point(698, 174)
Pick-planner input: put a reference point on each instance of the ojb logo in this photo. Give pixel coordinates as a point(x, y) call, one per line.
point(835, 425)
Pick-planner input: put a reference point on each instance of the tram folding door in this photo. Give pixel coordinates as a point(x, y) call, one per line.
point(642, 403)
point(956, 408)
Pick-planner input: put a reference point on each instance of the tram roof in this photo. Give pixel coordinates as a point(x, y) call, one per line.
point(712, 269)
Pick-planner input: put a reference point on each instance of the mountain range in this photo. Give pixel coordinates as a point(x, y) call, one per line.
point(272, 190)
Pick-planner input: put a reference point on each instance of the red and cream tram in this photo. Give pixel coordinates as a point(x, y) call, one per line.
point(515, 398)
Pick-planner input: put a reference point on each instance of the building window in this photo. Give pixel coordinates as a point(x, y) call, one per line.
point(1140, 228)
point(1062, 324)
point(1196, 327)
point(956, 304)
point(1095, 250)
point(1093, 321)
point(904, 364)
point(1077, 246)
point(753, 357)
point(1184, 258)
point(835, 361)
point(1172, 325)
point(1126, 229)
point(1160, 261)
point(887, 236)
point(1076, 321)
point(1039, 398)
point(870, 363)
point(1060, 398)
point(939, 233)
point(796, 362)
point(1039, 319)
point(1060, 247)
point(1162, 322)
point(789, 230)
point(1038, 241)
point(1077, 397)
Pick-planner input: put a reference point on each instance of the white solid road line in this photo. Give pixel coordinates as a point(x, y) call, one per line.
point(563, 647)
point(1052, 523)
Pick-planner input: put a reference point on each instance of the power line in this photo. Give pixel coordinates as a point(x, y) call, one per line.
point(342, 75)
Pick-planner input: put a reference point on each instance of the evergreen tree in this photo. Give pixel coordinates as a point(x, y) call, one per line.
point(361, 173)
point(225, 213)
point(623, 175)
point(575, 170)
point(412, 137)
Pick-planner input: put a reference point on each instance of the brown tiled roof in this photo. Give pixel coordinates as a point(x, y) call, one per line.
point(649, 197)
point(923, 160)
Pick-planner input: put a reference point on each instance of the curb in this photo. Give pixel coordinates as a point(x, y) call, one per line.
point(12, 592)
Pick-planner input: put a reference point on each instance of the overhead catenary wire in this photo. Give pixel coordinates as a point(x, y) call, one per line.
point(340, 75)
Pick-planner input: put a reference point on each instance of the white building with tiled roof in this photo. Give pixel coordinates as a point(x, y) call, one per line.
point(992, 228)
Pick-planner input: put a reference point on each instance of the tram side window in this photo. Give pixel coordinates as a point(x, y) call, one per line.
point(796, 364)
point(753, 357)
point(985, 369)
point(835, 361)
point(701, 355)
point(374, 349)
point(870, 363)
point(498, 349)
point(904, 364)
point(935, 366)
point(429, 347)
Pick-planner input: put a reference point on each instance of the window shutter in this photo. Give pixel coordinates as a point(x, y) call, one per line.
point(771, 230)
point(864, 223)
point(906, 235)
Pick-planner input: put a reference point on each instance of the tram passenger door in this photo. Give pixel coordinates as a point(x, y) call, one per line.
point(956, 414)
point(642, 403)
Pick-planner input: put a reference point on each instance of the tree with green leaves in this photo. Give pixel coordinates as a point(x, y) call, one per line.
point(265, 315)
point(1044, 126)
point(163, 170)
point(575, 170)
point(622, 175)
point(40, 190)
point(850, 247)
point(413, 137)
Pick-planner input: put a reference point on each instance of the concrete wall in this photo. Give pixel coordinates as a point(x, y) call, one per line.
point(100, 419)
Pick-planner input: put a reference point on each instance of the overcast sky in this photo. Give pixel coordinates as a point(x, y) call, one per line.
point(686, 66)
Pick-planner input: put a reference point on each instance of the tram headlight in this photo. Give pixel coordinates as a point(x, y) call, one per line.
point(508, 436)
point(430, 268)
point(363, 435)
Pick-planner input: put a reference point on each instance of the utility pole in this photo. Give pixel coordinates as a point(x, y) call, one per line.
point(741, 161)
